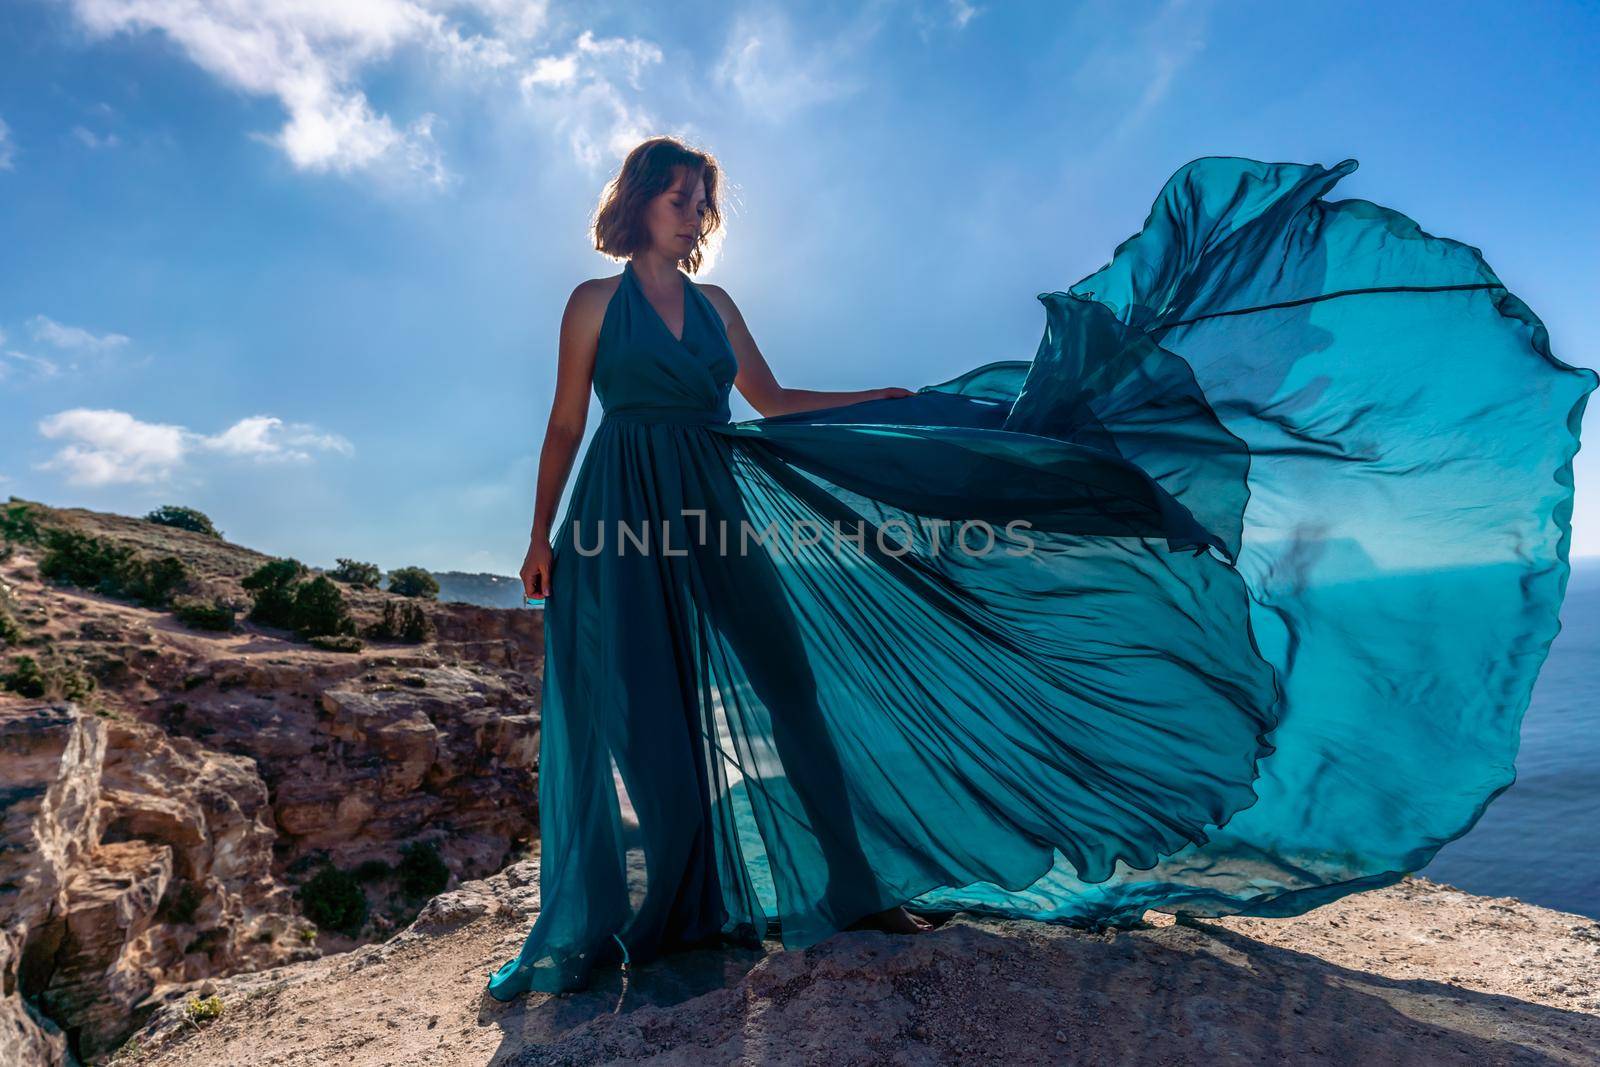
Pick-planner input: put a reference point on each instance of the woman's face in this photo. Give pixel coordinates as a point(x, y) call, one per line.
point(676, 215)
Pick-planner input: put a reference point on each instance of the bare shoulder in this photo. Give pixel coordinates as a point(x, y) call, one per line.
point(722, 302)
point(589, 300)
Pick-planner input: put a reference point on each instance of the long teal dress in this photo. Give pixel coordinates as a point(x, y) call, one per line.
point(1230, 600)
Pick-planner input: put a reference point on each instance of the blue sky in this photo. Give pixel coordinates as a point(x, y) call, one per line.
point(301, 266)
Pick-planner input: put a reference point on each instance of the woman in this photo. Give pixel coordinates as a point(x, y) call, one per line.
point(1016, 642)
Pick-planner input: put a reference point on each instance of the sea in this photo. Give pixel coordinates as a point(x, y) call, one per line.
point(1539, 841)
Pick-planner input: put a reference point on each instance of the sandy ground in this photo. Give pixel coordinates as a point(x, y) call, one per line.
point(1415, 974)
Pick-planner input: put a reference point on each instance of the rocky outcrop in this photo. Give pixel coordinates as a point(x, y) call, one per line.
point(362, 754)
point(135, 856)
point(158, 831)
point(49, 811)
point(128, 859)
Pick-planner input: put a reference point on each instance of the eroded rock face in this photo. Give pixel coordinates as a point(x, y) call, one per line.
point(385, 752)
point(135, 859)
point(129, 859)
point(224, 908)
point(49, 804)
point(100, 963)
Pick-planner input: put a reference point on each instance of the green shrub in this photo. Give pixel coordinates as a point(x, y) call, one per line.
point(402, 622)
point(372, 870)
point(413, 581)
point(422, 873)
point(183, 519)
point(337, 643)
point(53, 676)
point(333, 899)
point(81, 560)
point(25, 678)
point(18, 524)
point(153, 582)
point(70, 682)
point(204, 614)
point(11, 631)
point(201, 1010)
point(95, 563)
point(360, 575)
point(272, 587)
point(319, 609)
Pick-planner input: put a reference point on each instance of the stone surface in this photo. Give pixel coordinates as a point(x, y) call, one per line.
point(50, 760)
point(1418, 974)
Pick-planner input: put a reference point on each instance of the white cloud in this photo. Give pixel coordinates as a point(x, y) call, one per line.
point(90, 139)
point(579, 94)
point(268, 437)
point(554, 71)
point(7, 150)
point(112, 447)
point(42, 367)
point(107, 447)
point(309, 56)
point(312, 57)
point(74, 341)
point(775, 76)
point(73, 338)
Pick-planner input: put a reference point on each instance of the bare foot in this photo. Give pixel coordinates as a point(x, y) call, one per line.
point(896, 920)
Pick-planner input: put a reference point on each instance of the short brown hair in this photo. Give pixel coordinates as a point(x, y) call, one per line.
point(646, 173)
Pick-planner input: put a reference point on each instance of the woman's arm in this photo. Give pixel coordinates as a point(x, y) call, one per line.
point(569, 413)
point(756, 381)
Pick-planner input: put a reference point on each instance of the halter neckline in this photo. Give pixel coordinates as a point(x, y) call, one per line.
point(627, 268)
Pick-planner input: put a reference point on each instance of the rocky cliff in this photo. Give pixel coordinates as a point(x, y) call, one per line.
point(167, 820)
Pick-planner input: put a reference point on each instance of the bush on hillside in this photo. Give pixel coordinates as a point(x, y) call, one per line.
point(319, 609)
point(422, 873)
point(353, 572)
point(337, 643)
point(17, 524)
point(153, 582)
point(333, 899)
point(204, 614)
point(413, 582)
point(55, 678)
point(402, 622)
point(95, 563)
point(12, 632)
point(183, 519)
point(24, 678)
point(272, 587)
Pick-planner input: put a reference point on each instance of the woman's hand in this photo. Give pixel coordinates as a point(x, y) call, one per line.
point(892, 391)
point(536, 569)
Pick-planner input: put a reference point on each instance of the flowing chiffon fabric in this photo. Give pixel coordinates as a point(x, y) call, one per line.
point(1230, 600)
